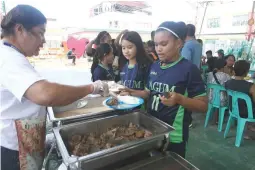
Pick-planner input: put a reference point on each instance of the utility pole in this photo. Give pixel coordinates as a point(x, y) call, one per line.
point(251, 32)
point(251, 22)
point(3, 7)
point(196, 17)
point(202, 23)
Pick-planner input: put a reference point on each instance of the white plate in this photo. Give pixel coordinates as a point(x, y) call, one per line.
point(125, 106)
point(81, 104)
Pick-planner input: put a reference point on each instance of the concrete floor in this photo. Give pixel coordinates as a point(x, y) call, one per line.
point(208, 150)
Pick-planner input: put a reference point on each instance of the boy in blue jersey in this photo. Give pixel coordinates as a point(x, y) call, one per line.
point(134, 74)
point(175, 87)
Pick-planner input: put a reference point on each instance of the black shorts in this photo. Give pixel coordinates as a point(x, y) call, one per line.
point(71, 57)
point(9, 159)
point(178, 148)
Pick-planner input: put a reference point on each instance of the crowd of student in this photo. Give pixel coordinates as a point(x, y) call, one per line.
point(170, 62)
point(156, 71)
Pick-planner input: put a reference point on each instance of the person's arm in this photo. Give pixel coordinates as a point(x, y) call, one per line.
point(20, 78)
point(137, 93)
point(196, 100)
point(52, 94)
point(186, 52)
point(196, 104)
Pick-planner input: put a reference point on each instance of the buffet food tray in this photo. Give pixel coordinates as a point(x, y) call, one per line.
point(70, 113)
point(108, 156)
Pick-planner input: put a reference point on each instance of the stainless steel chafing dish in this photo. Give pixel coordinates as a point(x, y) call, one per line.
point(71, 114)
point(161, 161)
point(108, 156)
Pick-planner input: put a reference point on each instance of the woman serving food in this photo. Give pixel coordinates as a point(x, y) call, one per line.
point(24, 93)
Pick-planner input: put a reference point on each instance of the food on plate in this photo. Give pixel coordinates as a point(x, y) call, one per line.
point(112, 102)
point(81, 145)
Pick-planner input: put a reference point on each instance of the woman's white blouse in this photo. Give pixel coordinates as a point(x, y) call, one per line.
point(16, 76)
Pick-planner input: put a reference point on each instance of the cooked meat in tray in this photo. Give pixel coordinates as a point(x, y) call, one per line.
point(81, 145)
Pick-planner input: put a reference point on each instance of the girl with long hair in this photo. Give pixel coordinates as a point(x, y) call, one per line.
point(175, 87)
point(134, 73)
point(102, 37)
point(119, 59)
point(101, 68)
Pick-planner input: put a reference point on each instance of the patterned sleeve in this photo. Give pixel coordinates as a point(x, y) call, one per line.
point(196, 86)
point(209, 78)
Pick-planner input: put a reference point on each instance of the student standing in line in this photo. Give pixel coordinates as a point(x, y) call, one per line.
point(119, 60)
point(135, 72)
point(175, 87)
point(102, 37)
point(101, 68)
point(192, 50)
point(151, 50)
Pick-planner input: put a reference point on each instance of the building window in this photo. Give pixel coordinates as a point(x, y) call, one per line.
point(213, 23)
point(240, 20)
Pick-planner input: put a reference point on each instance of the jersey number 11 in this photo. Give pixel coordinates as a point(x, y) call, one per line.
point(155, 103)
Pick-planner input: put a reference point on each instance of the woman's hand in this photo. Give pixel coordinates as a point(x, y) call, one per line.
point(173, 99)
point(100, 87)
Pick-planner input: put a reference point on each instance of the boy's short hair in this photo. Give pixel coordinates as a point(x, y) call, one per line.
point(241, 68)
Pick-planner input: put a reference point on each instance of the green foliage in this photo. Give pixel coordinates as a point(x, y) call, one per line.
point(3, 7)
point(241, 52)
